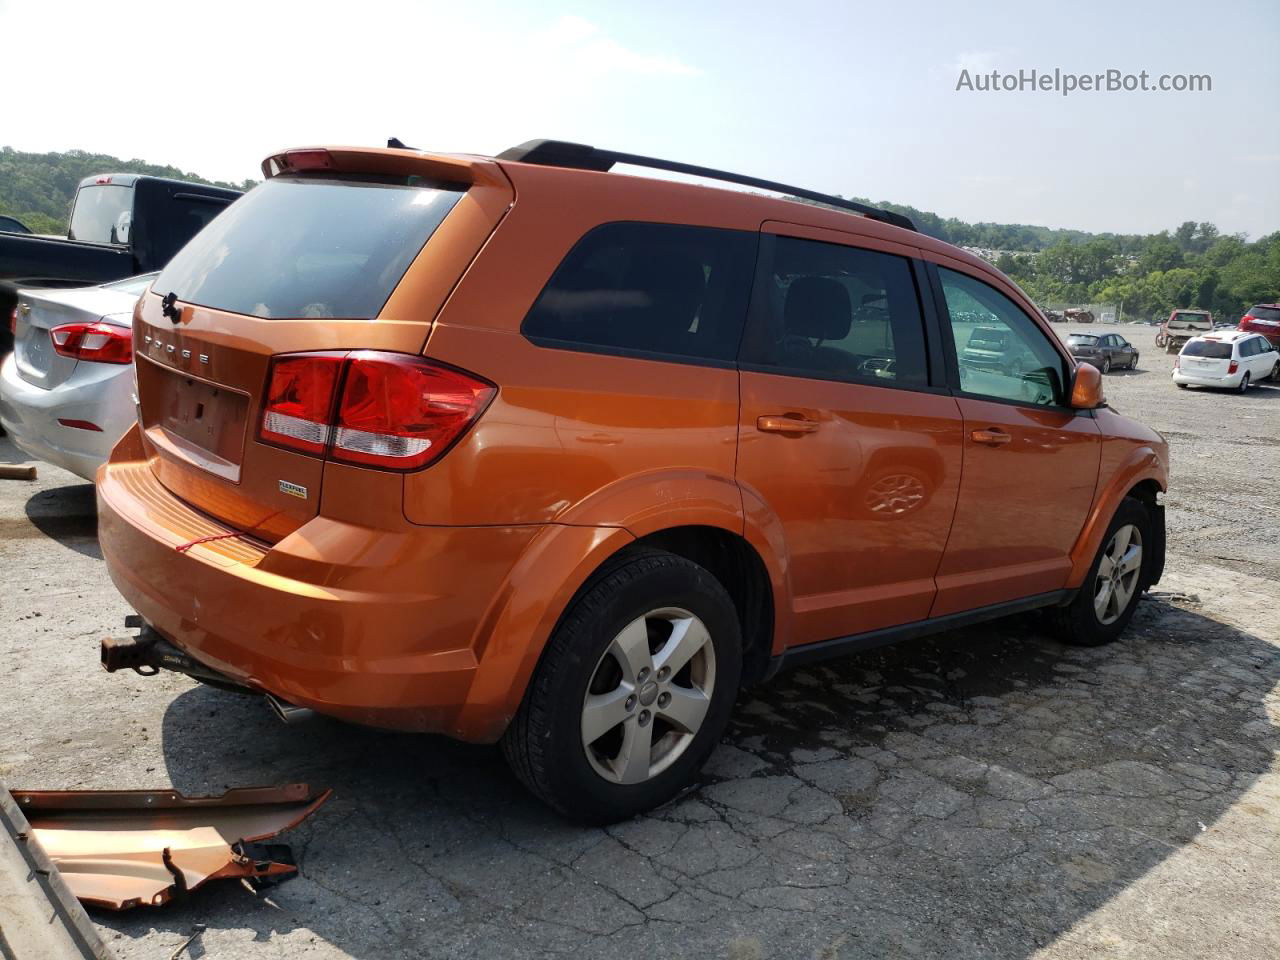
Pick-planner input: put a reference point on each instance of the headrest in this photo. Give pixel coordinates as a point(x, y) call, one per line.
point(817, 307)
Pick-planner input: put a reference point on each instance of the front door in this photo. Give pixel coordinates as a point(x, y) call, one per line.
point(1030, 462)
point(844, 446)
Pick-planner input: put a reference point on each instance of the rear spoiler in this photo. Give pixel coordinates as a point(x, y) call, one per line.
point(474, 171)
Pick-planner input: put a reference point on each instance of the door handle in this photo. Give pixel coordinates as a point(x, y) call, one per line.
point(991, 437)
point(786, 425)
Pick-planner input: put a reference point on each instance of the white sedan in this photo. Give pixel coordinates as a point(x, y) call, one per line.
point(66, 391)
point(1232, 359)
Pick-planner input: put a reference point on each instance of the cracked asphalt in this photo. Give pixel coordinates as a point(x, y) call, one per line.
point(986, 793)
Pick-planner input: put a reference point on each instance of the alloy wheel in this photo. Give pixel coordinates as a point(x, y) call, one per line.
point(1106, 364)
point(648, 695)
point(1118, 573)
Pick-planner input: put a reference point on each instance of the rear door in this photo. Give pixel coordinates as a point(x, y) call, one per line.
point(844, 437)
point(301, 263)
point(1030, 462)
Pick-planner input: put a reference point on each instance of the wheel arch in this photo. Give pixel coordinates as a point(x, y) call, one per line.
point(1143, 477)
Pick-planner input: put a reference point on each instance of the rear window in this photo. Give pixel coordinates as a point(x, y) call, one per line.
point(1210, 349)
point(309, 247)
point(649, 289)
point(102, 214)
point(1265, 313)
point(1081, 340)
point(1191, 320)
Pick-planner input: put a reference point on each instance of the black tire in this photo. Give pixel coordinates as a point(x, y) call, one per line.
point(543, 745)
point(1106, 364)
point(1134, 364)
point(1078, 623)
point(1181, 386)
point(1244, 383)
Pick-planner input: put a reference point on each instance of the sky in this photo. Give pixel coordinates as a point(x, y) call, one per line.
point(843, 96)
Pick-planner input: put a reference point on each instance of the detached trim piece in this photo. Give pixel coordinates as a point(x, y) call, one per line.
point(581, 156)
point(39, 916)
point(125, 848)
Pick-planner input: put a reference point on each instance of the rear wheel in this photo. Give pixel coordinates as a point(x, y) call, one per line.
point(1105, 602)
point(1244, 383)
point(633, 691)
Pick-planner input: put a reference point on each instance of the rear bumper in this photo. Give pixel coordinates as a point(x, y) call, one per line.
point(101, 394)
point(373, 626)
point(1201, 380)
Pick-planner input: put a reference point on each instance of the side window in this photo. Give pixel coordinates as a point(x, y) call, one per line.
point(1000, 351)
point(838, 313)
point(649, 288)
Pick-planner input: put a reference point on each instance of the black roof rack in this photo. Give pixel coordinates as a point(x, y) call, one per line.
point(581, 156)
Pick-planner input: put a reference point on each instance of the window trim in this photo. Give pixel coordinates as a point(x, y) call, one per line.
point(637, 353)
point(949, 345)
point(935, 380)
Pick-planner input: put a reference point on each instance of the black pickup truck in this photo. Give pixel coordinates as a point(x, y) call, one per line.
point(122, 224)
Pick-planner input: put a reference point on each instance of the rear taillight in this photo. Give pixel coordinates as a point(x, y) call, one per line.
point(298, 408)
point(1176, 360)
point(1233, 367)
point(96, 342)
point(386, 410)
point(1245, 320)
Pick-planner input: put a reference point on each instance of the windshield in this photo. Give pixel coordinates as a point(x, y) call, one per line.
point(1081, 340)
point(309, 247)
point(1210, 349)
point(102, 214)
point(136, 284)
point(1191, 321)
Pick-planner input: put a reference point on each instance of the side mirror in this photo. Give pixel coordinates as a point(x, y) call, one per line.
point(1086, 388)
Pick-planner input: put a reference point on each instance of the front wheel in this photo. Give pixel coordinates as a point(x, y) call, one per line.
point(1106, 601)
point(1133, 364)
point(1106, 364)
point(633, 691)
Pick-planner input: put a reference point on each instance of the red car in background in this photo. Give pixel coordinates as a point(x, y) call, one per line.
point(1263, 318)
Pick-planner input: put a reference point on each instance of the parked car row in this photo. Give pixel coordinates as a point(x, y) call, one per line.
point(420, 445)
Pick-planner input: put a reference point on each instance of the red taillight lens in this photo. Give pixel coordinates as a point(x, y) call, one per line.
point(1246, 320)
point(1233, 367)
point(96, 342)
point(308, 159)
point(298, 410)
point(396, 411)
point(401, 413)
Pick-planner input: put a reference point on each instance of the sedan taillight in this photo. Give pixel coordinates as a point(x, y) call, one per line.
point(386, 410)
point(96, 342)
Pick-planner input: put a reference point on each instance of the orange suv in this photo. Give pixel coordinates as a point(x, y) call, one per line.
point(520, 449)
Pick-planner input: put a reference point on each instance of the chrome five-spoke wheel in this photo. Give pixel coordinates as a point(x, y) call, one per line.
point(1118, 573)
point(648, 695)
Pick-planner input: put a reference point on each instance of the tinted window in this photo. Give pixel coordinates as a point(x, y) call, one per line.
point(102, 214)
point(1211, 349)
point(1082, 340)
point(1264, 313)
point(1185, 320)
point(1025, 367)
point(297, 247)
point(838, 312)
point(650, 288)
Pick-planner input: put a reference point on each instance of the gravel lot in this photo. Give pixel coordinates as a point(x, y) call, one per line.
point(987, 793)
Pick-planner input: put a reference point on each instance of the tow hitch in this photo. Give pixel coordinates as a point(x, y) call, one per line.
point(146, 653)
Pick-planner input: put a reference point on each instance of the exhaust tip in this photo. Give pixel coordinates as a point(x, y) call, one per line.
point(287, 712)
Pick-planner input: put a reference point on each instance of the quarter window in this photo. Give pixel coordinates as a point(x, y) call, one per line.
point(838, 313)
point(1000, 351)
point(649, 288)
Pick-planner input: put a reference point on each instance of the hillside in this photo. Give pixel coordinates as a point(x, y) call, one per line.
point(37, 187)
point(1192, 265)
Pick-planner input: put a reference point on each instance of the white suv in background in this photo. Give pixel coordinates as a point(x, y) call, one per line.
point(1232, 359)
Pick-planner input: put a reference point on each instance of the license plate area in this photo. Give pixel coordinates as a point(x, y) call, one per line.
point(193, 420)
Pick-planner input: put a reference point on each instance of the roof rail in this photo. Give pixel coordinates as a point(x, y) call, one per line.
point(581, 156)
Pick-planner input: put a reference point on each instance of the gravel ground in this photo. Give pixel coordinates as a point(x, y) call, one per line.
point(987, 793)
